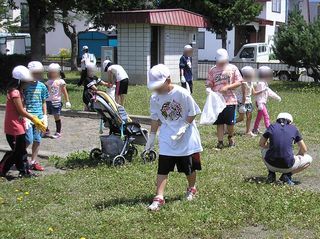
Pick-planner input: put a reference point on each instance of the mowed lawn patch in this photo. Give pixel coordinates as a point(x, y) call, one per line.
point(105, 202)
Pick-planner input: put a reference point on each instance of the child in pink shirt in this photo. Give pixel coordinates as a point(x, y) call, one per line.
point(56, 88)
point(14, 124)
point(225, 78)
point(263, 92)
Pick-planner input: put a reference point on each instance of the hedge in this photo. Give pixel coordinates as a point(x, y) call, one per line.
point(7, 63)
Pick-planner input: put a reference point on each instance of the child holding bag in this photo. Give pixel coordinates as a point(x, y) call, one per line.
point(179, 138)
point(14, 124)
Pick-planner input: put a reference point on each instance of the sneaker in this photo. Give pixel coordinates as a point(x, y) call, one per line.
point(232, 143)
point(251, 134)
point(36, 166)
point(46, 134)
point(191, 193)
point(156, 204)
point(256, 132)
point(286, 179)
point(56, 136)
point(220, 145)
point(271, 177)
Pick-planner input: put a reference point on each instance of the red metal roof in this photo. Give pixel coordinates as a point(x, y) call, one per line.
point(173, 17)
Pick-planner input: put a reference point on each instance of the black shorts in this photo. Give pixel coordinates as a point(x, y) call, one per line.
point(227, 116)
point(122, 87)
point(190, 83)
point(185, 164)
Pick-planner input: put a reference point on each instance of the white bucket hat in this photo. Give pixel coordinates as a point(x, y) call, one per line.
point(54, 67)
point(22, 73)
point(35, 66)
point(85, 48)
point(105, 63)
point(222, 55)
point(157, 76)
point(247, 70)
point(286, 116)
point(187, 47)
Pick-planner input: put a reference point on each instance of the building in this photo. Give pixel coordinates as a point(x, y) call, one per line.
point(314, 10)
point(150, 37)
point(262, 29)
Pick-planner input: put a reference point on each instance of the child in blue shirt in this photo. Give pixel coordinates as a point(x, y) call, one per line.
point(35, 95)
point(185, 67)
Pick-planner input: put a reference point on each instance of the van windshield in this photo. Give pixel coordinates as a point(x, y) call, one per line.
point(247, 52)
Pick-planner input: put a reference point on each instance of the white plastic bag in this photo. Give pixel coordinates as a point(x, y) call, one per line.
point(214, 105)
point(112, 92)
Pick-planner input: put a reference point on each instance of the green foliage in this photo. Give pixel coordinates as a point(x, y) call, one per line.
point(297, 44)
point(65, 53)
point(7, 22)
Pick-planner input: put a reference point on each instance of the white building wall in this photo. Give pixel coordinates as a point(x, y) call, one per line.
point(212, 44)
point(275, 16)
point(134, 43)
point(175, 38)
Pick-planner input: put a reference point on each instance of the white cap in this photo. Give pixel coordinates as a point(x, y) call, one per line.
point(22, 73)
point(157, 76)
point(54, 67)
point(247, 70)
point(265, 70)
point(35, 66)
point(105, 63)
point(222, 55)
point(91, 66)
point(85, 48)
point(286, 116)
point(187, 47)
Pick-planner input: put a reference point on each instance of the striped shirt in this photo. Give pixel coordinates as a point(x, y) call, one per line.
point(34, 96)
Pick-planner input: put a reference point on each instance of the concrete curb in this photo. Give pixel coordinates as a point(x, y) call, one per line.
point(93, 115)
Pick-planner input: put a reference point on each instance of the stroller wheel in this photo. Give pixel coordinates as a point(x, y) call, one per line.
point(149, 156)
point(132, 152)
point(95, 154)
point(118, 161)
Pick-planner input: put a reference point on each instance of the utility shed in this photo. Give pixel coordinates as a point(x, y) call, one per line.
point(150, 37)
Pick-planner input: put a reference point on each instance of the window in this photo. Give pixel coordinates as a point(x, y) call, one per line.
point(218, 36)
point(201, 40)
point(24, 15)
point(262, 49)
point(276, 6)
point(247, 53)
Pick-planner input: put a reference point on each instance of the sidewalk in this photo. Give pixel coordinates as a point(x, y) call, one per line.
point(78, 134)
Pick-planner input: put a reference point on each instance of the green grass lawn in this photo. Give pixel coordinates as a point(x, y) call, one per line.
point(103, 202)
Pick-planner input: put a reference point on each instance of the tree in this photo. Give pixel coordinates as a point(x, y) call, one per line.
point(223, 15)
point(297, 44)
point(7, 23)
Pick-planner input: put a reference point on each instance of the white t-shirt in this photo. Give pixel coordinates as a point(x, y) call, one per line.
point(87, 58)
point(55, 89)
point(172, 110)
point(118, 72)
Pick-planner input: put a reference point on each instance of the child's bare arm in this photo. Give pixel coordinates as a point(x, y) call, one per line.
point(44, 107)
point(190, 119)
point(65, 93)
point(154, 126)
point(243, 89)
point(263, 143)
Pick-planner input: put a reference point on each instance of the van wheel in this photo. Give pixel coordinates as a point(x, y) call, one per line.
point(284, 76)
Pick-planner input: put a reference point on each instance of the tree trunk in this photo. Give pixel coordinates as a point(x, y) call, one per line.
point(37, 32)
point(224, 37)
point(72, 35)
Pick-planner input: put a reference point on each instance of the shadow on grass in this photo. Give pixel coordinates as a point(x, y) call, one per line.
point(263, 179)
point(131, 201)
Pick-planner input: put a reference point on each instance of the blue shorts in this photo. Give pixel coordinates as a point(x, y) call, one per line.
point(54, 108)
point(33, 135)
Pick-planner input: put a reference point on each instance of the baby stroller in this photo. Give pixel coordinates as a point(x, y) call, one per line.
point(119, 145)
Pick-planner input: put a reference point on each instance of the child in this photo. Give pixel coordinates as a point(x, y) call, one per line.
point(245, 107)
point(262, 93)
point(121, 77)
point(90, 84)
point(277, 150)
point(35, 95)
point(185, 66)
point(14, 124)
point(56, 87)
point(173, 110)
point(225, 78)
